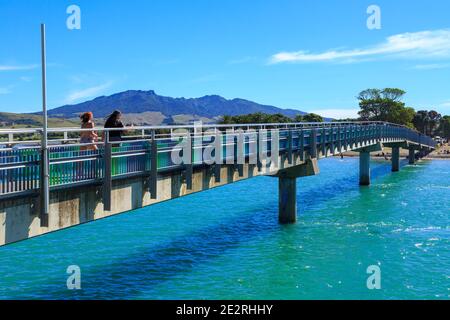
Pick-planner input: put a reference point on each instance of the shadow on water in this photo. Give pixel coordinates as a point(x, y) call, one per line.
point(141, 272)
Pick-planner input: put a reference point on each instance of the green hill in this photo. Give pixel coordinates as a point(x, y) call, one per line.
point(23, 120)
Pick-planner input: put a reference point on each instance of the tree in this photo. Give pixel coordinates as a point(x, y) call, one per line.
point(444, 127)
point(312, 117)
point(384, 105)
point(260, 117)
point(257, 117)
point(370, 104)
point(420, 121)
point(427, 122)
point(435, 119)
point(401, 115)
point(226, 119)
point(278, 118)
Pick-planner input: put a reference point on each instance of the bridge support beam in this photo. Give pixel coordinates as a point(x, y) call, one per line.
point(287, 188)
point(395, 159)
point(287, 200)
point(364, 163)
point(364, 168)
point(411, 155)
point(396, 146)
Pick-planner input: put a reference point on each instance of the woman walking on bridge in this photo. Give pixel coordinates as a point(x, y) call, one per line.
point(112, 122)
point(88, 137)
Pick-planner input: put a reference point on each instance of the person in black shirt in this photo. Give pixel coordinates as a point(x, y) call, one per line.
point(113, 121)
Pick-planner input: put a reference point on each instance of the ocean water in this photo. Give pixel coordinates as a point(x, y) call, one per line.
point(226, 243)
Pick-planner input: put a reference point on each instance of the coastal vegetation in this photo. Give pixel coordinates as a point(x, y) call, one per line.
point(444, 127)
point(260, 117)
point(385, 105)
point(375, 105)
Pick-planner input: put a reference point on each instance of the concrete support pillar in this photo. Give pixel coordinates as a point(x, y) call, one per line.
point(287, 199)
point(395, 159)
point(287, 189)
point(411, 156)
point(364, 168)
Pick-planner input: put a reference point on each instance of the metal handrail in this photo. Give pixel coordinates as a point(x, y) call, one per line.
point(168, 127)
point(189, 128)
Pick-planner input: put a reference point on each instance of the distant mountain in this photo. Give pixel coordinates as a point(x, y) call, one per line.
point(146, 107)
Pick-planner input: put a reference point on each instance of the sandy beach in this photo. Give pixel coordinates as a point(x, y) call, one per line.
point(442, 153)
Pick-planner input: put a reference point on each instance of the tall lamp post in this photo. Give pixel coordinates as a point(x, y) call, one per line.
point(44, 177)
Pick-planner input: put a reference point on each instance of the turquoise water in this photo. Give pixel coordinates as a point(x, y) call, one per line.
point(226, 243)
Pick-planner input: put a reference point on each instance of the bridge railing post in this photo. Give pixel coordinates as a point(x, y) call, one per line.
point(240, 152)
point(313, 143)
point(357, 135)
point(368, 133)
point(378, 132)
point(289, 146)
point(274, 148)
point(323, 141)
point(301, 144)
point(374, 132)
point(330, 140)
point(348, 137)
point(259, 150)
point(189, 167)
point(345, 139)
point(218, 155)
point(153, 183)
point(107, 177)
point(339, 139)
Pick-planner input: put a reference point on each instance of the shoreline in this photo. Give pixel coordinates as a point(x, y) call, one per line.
point(388, 156)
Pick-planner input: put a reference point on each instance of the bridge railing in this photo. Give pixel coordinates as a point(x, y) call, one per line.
point(148, 150)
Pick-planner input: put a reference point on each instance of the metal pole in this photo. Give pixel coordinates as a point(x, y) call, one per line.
point(44, 159)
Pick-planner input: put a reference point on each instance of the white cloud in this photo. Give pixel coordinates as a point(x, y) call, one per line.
point(25, 79)
point(337, 113)
point(431, 66)
point(445, 104)
point(18, 68)
point(424, 44)
point(5, 90)
point(86, 93)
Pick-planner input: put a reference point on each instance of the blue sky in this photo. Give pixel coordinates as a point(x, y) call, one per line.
point(309, 55)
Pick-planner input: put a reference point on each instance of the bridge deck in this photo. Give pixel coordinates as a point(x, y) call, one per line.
point(69, 164)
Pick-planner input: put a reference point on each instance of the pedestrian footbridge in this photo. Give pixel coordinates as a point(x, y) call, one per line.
point(49, 186)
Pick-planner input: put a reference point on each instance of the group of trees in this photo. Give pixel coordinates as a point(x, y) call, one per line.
point(444, 127)
point(427, 122)
point(387, 105)
point(260, 117)
point(376, 105)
